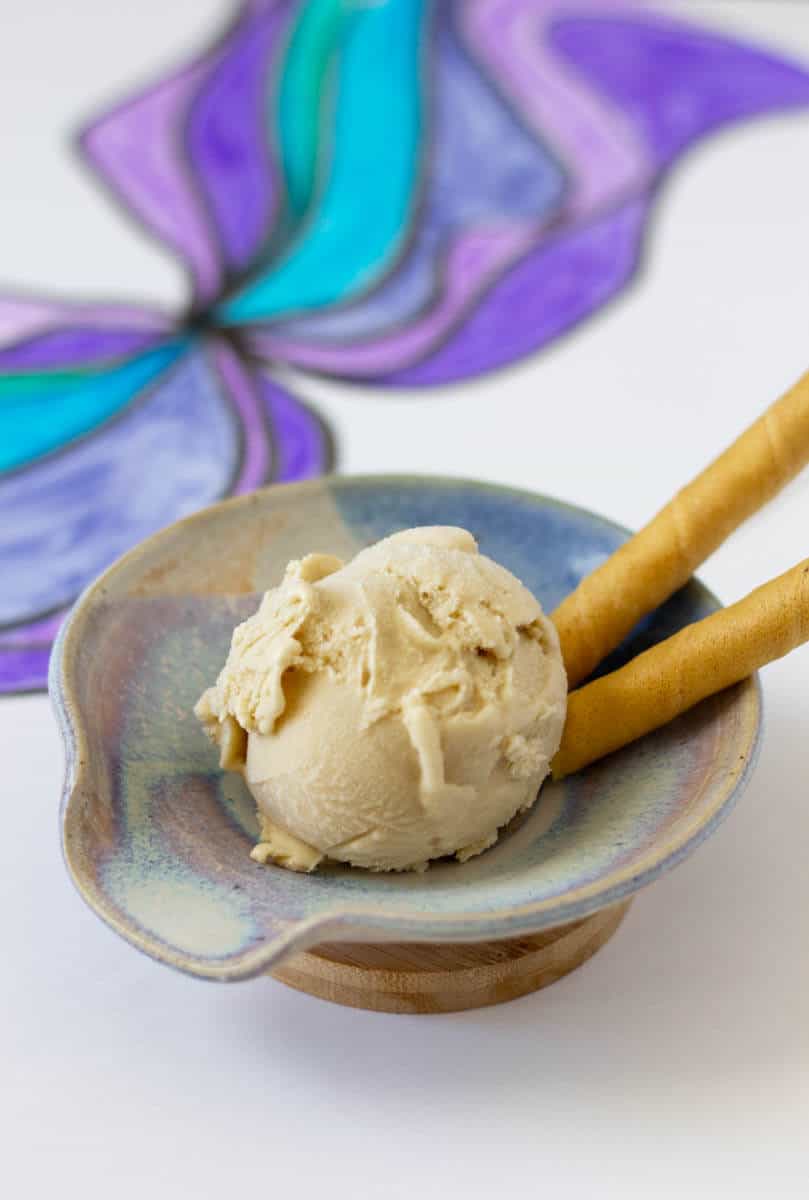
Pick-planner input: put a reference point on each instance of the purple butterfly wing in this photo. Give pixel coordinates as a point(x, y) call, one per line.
point(189, 156)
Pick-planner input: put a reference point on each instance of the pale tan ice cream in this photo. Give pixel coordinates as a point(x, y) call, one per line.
point(391, 711)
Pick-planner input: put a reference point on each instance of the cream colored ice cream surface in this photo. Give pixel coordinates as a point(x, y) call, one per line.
point(393, 710)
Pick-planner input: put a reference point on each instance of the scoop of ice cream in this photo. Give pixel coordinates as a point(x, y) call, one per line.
point(391, 711)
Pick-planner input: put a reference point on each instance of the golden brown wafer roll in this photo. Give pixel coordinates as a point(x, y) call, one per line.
point(659, 559)
point(673, 676)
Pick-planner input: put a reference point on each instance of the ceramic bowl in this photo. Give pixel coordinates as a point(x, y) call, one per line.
point(157, 838)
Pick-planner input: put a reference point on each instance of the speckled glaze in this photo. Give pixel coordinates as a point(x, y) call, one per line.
point(157, 839)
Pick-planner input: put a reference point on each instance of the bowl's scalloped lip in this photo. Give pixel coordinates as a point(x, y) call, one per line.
point(356, 922)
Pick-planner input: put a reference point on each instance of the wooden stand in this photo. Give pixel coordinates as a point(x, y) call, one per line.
point(423, 977)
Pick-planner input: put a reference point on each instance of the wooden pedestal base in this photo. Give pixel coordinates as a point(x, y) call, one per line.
point(425, 977)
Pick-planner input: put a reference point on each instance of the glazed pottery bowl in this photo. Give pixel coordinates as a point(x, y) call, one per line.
point(157, 838)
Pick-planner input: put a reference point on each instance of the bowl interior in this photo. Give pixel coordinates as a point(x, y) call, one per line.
point(158, 839)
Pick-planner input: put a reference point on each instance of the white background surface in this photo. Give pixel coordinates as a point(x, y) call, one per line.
point(677, 1061)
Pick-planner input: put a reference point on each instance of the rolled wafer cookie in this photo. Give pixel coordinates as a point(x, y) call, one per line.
point(673, 676)
point(661, 558)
